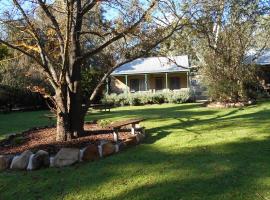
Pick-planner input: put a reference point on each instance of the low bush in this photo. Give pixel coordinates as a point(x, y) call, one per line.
point(103, 123)
point(142, 98)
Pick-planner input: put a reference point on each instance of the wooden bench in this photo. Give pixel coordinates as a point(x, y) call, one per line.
point(116, 126)
point(101, 107)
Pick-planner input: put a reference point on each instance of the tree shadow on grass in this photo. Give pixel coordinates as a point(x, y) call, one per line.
point(236, 170)
point(155, 135)
point(184, 110)
point(228, 171)
point(229, 120)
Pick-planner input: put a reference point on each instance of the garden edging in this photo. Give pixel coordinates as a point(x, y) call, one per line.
point(67, 156)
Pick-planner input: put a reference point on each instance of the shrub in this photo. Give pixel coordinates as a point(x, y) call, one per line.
point(158, 98)
point(142, 98)
point(181, 96)
point(103, 123)
point(123, 99)
point(110, 99)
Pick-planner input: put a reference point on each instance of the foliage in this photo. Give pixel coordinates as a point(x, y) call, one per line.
point(18, 97)
point(90, 78)
point(142, 98)
point(18, 80)
point(226, 41)
point(103, 122)
point(3, 52)
point(217, 39)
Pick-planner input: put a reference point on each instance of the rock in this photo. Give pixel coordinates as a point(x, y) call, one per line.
point(5, 161)
point(52, 162)
point(21, 161)
point(131, 141)
point(66, 157)
point(91, 153)
point(40, 159)
point(81, 154)
point(108, 149)
point(30, 163)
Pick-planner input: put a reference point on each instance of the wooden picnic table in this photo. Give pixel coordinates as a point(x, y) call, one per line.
point(116, 126)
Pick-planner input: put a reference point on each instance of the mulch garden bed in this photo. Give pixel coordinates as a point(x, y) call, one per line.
point(228, 104)
point(45, 139)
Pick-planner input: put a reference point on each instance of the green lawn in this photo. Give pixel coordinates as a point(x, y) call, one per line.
point(191, 152)
point(20, 121)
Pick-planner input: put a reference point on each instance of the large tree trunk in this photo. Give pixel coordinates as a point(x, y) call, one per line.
point(70, 116)
point(76, 115)
point(63, 127)
point(69, 125)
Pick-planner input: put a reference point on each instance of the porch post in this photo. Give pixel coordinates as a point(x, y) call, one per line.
point(145, 82)
point(126, 81)
point(166, 80)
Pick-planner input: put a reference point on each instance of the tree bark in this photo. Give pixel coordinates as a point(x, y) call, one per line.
point(70, 118)
point(63, 127)
point(76, 114)
point(70, 125)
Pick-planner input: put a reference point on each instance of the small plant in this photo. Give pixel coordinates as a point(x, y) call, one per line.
point(17, 140)
point(103, 123)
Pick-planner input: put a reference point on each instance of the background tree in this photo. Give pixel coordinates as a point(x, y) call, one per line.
point(223, 32)
point(17, 77)
point(62, 42)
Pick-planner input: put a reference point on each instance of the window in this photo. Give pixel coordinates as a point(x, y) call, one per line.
point(141, 85)
point(134, 85)
point(174, 83)
point(137, 85)
point(159, 83)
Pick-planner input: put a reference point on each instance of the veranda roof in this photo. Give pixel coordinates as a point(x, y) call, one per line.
point(154, 65)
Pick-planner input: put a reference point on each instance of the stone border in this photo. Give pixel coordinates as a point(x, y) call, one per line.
point(66, 156)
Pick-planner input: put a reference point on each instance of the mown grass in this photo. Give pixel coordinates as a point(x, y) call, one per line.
point(191, 152)
point(19, 121)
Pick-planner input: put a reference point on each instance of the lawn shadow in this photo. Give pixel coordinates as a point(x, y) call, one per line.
point(225, 171)
point(182, 110)
point(221, 171)
point(155, 134)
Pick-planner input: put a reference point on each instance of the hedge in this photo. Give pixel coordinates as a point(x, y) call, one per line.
point(142, 98)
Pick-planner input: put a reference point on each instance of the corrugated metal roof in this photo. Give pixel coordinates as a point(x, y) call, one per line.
point(154, 65)
point(258, 58)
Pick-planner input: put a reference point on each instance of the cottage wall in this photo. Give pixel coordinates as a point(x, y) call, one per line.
point(118, 85)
